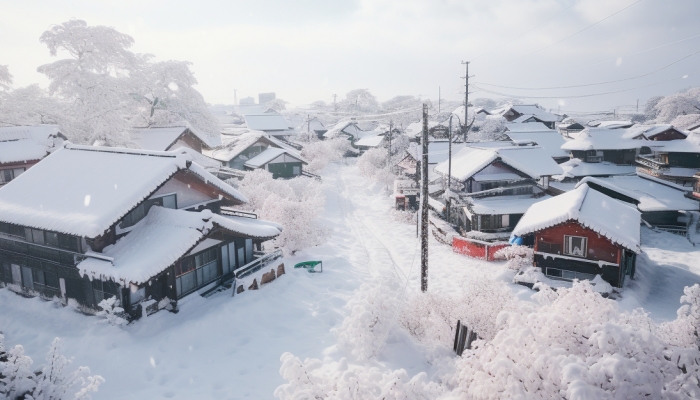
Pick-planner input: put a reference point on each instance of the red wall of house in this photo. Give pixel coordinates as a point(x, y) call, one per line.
point(476, 249)
point(599, 247)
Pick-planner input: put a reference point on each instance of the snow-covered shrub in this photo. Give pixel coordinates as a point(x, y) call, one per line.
point(294, 203)
point(491, 128)
point(111, 312)
point(371, 316)
point(315, 379)
point(518, 257)
point(576, 345)
point(52, 382)
point(373, 164)
point(431, 317)
point(321, 152)
point(55, 382)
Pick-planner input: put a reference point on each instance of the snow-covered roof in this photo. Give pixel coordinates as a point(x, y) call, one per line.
point(163, 237)
point(614, 219)
point(611, 124)
point(199, 158)
point(270, 154)
point(370, 141)
point(232, 146)
point(528, 109)
point(606, 139)
point(526, 127)
point(532, 161)
point(651, 195)
point(691, 144)
point(550, 140)
point(28, 143)
point(84, 190)
point(575, 168)
point(266, 122)
point(500, 205)
point(344, 126)
point(438, 151)
point(646, 131)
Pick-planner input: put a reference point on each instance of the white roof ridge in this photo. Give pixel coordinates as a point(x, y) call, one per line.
point(120, 150)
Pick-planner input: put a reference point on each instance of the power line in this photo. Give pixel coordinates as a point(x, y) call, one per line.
point(528, 31)
point(578, 96)
point(593, 84)
point(577, 32)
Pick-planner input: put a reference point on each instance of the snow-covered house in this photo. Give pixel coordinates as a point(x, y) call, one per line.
point(611, 124)
point(538, 134)
point(238, 150)
point(675, 161)
point(493, 186)
point(370, 142)
point(148, 227)
point(273, 124)
point(23, 146)
point(569, 127)
point(281, 163)
point(581, 234)
point(171, 138)
point(656, 132)
point(347, 128)
point(662, 205)
point(527, 113)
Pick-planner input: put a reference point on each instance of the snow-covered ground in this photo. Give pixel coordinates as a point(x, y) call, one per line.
point(229, 348)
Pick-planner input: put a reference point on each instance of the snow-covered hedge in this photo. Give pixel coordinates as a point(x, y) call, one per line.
point(294, 203)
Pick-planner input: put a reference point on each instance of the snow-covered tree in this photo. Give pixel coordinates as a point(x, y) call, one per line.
point(278, 105)
point(293, 203)
point(5, 78)
point(491, 128)
point(111, 312)
point(29, 105)
point(55, 382)
point(359, 100)
point(681, 109)
point(518, 257)
point(105, 89)
point(16, 376)
point(321, 152)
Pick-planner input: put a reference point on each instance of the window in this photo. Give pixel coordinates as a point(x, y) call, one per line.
point(10, 229)
point(575, 246)
point(569, 275)
point(296, 170)
point(6, 175)
point(103, 290)
point(197, 271)
point(137, 214)
point(51, 238)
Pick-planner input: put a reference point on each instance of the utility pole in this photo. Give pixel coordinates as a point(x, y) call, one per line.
point(391, 124)
point(235, 98)
point(308, 125)
point(439, 99)
point(449, 171)
point(335, 108)
point(637, 106)
point(424, 205)
point(466, 99)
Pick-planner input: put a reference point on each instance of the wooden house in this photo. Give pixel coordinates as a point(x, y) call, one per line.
point(493, 186)
point(523, 113)
point(281, 163)
point(581, 234)
point(172, 138)
point(23, 146)
point(663, 206)
point(370, 142)
point(676, 161)
point(568, 128)
point(345, 128)
point(238, 150)
point(148, 227)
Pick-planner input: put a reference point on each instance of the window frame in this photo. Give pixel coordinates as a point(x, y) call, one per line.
point(568, 245)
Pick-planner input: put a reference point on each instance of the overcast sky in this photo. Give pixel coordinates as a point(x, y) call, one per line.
point(307, 50)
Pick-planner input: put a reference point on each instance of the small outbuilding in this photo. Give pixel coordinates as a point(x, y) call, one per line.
point(581, 234)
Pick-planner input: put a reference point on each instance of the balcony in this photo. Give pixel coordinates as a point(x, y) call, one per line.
point(42, 252)
point(594, 159)
point(651, 163)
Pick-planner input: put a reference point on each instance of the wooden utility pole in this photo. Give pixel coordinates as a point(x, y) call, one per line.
point(335, 108)
point(439, 99)
point(235, 97)
point(424, 205)
point(466, 99)
point(449, 171)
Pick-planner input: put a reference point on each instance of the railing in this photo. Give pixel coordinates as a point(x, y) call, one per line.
point(238, 213)
point(594, 159)
point(42, 252)
point(310, 175)
point(231, 172)
point(674, 229)
point(506, 190)
point(649, 162)
point(257, 265)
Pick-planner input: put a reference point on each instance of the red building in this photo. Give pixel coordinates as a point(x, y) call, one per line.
point(581, 234)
